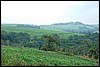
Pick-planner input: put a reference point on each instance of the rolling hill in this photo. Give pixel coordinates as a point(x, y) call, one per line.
point(17, 55)
point(76, 27)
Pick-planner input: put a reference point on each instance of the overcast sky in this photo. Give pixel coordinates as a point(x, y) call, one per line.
point(48, 12)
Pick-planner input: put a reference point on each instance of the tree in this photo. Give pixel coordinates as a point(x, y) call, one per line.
point(50, 42)
point(8, 42)
point(56, 39)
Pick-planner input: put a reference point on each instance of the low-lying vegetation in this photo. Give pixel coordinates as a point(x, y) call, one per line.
point(15, 56)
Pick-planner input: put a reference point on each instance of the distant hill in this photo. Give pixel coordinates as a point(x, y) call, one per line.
point(74, 27)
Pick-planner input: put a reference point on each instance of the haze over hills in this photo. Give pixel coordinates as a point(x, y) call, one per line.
point(52, 23)
point(76, 27)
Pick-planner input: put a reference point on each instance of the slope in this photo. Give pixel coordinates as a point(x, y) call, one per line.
point(21, 56)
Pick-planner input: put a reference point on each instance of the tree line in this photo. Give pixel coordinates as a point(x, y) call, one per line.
point(28, 26)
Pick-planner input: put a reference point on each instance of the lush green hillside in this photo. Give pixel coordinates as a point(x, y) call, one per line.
point(65, 47)
point(35, 32)
point(20, 56)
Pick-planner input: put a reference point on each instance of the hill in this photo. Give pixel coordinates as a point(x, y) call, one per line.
point(21, 56)
point(76, 27)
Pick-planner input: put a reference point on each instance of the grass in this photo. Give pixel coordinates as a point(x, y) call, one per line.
point(15, 56)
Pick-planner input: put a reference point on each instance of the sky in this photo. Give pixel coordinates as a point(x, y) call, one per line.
point(49, 12)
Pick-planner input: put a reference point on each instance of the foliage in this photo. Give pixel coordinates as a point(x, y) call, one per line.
point(85, 45)
point(12, 37)
point(51, 42)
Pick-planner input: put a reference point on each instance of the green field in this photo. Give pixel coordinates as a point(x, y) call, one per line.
point(21, 56)
point(36, 32)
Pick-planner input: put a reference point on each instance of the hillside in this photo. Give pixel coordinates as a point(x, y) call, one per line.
point(35, 32)
point(20, 56)
point(76, 27)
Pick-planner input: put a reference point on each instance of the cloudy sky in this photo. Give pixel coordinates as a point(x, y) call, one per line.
point(48, 12)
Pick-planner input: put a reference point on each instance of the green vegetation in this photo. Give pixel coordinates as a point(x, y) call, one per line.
point(27, 46)
point(15, 56)
point(87, 46)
